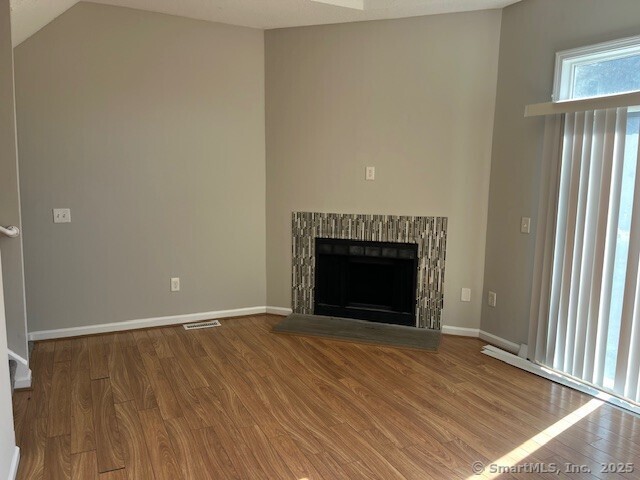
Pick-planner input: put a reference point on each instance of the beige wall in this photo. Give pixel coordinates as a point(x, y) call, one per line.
point(414, 98)
point(151, 129)
point(532, 31)
point(11, 248)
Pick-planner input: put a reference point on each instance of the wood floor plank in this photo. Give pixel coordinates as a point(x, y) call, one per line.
point(108, 445)
point(82, 429)
point(215, 457)
point(42, 361)
point(58, 458)
point(166, 399)
point(163, 460)
point(62, 351)
point(84, 466)
point(192, 340)
point(294, 458)
point(60, 400)
point(195, 413)
point(159, 343)
point(136, 456)
point(241, 457)
point(141, 388)
point(267, 456)
point(33, 448)
point(20, 404)
point(326, 466)
point(119, 374)
point(188, 449)
point(114, 475)
point(98, 364)
point(186, 358)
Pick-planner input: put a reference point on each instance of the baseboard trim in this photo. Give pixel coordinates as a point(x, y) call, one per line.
point(15, 461)
point(279, 311)
point(499, 342)
point(143, 323)
point(486, 336)
point(23, 377)
point(196, 317)
point(460, 331)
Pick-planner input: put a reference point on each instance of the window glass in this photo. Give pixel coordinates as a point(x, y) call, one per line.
point(607, 77)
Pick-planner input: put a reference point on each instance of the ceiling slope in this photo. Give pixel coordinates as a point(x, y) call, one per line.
point(29, 16)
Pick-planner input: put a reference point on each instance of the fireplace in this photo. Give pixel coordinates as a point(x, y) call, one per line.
point(366, 280)
point(425, 237)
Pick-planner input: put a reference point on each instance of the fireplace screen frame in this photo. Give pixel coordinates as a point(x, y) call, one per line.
point(389, 300)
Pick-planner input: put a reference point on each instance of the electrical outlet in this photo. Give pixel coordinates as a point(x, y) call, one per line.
point(370, 173)
point(465, 296)
point(61, 215)
point(175, 284)
point(491, 299)
point(525, 225)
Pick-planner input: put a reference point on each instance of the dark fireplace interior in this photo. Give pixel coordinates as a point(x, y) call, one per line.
point(373, 281)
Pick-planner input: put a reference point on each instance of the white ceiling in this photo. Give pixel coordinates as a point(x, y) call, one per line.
point(29, 16)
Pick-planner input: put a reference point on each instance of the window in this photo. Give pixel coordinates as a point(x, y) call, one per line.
point(594, 314)
point(598, 70)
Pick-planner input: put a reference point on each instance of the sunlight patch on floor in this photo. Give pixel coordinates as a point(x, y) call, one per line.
point(521, 452)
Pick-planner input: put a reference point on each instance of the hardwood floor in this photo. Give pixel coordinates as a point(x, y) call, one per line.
point(237, 402)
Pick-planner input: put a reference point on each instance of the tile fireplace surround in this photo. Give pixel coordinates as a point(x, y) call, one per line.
point(429, 233)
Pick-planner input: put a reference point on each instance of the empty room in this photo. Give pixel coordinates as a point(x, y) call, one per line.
point(319, 239)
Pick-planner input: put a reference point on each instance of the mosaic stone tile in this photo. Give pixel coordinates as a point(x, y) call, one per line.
point(429, 233)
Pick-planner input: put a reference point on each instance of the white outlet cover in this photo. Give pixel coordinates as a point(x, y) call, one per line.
point(175, 284)
point(370, 173)
point(465, 295)
point(491, 299)
point(525, 225)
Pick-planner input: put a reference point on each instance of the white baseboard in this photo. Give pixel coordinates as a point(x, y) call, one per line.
point(460, 331)
point(23, 377)
point(477, 333)
point(15, 461)
point(499, 342)
point(279, 311)
point(23, 373)
point(143, 323)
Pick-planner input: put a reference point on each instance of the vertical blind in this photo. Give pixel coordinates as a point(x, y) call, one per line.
point(584, 268)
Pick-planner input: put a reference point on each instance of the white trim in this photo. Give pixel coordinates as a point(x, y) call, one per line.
point(23, 373)
point(15, 461)
point(583, 104)
point(477, 333)
point(279, 311)
point(556, 377)
point(563, 78)
point(24, 287)
point(17, 358)
point(499, 341)
point(143, 323)
point(23, 377)
point(461, 331)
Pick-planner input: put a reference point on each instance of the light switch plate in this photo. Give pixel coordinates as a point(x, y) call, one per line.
point(525, 225)
point(61, 215)
point(491, 299)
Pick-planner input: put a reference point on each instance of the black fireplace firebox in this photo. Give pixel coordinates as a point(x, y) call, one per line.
point(373, 281)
